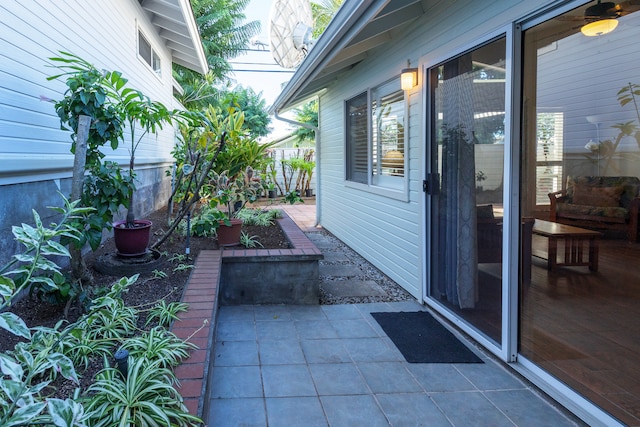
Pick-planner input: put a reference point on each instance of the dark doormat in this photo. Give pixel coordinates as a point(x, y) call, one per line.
point(422, 339)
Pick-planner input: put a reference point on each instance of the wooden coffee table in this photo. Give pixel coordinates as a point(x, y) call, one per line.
point(574, 239)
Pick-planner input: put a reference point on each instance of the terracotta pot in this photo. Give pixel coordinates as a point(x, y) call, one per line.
point(229, 236)
point(131, 242)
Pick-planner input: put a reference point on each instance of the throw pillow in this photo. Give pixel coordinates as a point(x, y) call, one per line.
point(604, 197)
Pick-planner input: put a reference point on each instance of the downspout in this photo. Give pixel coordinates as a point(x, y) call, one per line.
point(317, 134)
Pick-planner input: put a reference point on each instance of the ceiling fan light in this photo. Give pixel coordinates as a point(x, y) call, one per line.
point(600, 27)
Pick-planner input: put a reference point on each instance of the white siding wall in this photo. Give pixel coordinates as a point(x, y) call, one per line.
point(35, 158)
point(32, 147)
point(387, 231)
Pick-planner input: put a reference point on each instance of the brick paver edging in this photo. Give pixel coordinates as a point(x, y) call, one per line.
point(198, 325)
point(199, 321)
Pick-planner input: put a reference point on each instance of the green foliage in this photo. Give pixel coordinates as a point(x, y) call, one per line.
point(206, 223)
point(323, 11)
point(160, 346)
point(145, 397)
point(26, 369)
point(183, 267)
point(159, 274)
point(292, 197)
point(225, 33)
point(166, 313)
point(110, 319)
point(249, 241)
point(308, 114)
point(87, 95)
point(253, 106)
point(231, 192)
point(110, 102)
point(628, 95)
point(263, 217)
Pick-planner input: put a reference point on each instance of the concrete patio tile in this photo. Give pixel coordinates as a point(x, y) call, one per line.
point(342, 312)
point(470, 409)
point(489, 376)
point(287, 381)
point(236, 412)
point(339, 270)
point(412, 409)
point(338, 379)
point(315, 329)
point(372, 350)
point(236, 313)
point(236, 331)
point(355, 328)
point(307, 312)
point(230, 382)
point(333, 257)
point(272, 312)
point(236, 353)
point(325, 351)
point(439, 377)
point(295, 412)
point(526, 409)
point(388, 377)
point(353, 411)
point(276, 331)
point(353, 288)
point(281, 352)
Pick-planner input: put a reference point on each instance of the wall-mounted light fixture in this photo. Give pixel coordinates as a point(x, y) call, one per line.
point(408, 77)
point(601, 19)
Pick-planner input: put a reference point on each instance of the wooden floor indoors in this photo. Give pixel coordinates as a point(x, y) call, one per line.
point(581, 326)
point(584, 328)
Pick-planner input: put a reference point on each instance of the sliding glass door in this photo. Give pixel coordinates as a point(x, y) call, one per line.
point(580, 180)
point(467, 95)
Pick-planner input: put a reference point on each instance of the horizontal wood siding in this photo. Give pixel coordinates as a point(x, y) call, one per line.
point(387, 231)
point(32, 146)
point(35, 158)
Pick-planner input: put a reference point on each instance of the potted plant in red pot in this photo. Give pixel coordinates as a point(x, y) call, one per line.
point(142, 117)
point(231, 195)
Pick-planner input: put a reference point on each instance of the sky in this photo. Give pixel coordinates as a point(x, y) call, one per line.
point(269, 83)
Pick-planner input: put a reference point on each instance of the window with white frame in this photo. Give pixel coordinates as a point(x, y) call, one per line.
point(147, 53)
point(375, 129)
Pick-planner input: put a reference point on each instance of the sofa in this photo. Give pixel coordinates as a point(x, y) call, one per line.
point(598, 202)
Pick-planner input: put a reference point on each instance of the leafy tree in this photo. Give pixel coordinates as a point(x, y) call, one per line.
point(307, 114)
point(323, 11)
point(199, 91)
point(224, 34)
point(253, 105)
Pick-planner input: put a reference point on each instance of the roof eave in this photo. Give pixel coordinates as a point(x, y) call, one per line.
point(176, 25)
point(358, 29)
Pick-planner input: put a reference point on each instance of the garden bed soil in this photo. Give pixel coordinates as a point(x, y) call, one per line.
point(166, 282)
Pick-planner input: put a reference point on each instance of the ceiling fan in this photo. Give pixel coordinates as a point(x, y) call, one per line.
point(603, 10)
point(601, 18)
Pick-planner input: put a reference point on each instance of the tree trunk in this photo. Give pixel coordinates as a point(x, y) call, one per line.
point(79, 269)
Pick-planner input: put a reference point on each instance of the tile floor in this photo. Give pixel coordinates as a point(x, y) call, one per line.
point(333, 365)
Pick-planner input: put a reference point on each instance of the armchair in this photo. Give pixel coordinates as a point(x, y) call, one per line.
point(600, 202)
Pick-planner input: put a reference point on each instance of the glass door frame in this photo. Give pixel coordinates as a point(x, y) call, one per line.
point(563, 394)
point(507, 351)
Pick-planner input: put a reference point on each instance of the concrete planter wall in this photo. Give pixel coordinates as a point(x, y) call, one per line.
point(272, 276)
